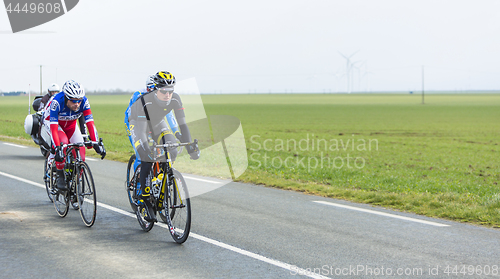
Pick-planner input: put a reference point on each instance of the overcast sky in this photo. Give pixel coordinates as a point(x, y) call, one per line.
point(261, 46)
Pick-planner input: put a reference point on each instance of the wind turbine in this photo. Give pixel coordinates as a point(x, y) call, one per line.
point(366, 74)
point(360, 66)
point(337, 77)
point(348, 68)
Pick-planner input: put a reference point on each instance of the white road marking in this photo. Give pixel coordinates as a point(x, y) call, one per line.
point(23, 180)
point(283, 265)
point(91, 159)
point(11, 144)
point(382, 214)
point(199, 179)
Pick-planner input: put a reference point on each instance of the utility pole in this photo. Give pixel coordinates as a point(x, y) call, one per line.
point(423, 85)
point(40, 79)
point(29, 98)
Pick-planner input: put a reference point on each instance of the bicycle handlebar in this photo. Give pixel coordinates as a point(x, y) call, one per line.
point(88, 144)
point(171, 145)
point(80, 144)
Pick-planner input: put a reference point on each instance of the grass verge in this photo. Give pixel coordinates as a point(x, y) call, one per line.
point(439, 159)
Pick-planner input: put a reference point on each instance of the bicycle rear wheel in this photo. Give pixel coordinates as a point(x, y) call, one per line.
point(130, 184)
point(178, 209)
point(145, 225)
point(46, 178)
point(61, 198)
point(86, 196)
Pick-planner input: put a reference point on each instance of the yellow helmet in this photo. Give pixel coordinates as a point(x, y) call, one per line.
point(164, 78)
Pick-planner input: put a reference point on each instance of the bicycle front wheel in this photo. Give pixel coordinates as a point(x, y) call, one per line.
point(85, 190)
point(46, 178)
point(139, 212)
point(61, 198)
point(178, 208)
point(130, 184)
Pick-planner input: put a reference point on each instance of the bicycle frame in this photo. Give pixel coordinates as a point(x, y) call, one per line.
point(170, 199)
point(164, 168)
point(81, 188)
point(75, 150)
point(167, 171)
point(72, 157)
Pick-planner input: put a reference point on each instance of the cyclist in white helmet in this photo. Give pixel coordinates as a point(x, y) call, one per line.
point(52, 90)
point(60, 118)
point(34, 122)
point(40, 101)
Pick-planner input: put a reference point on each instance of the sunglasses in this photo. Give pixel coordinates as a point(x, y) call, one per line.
point(165, 91)
point(76, 101)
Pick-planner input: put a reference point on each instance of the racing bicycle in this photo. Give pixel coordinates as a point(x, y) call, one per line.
point(79, 180)
point(170, 196)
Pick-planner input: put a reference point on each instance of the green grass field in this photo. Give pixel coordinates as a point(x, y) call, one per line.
point(439, 159)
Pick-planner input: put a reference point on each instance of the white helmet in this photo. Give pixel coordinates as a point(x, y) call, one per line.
point(54, 87)
point(31, 124)
point(73, 90)
point(150, 83)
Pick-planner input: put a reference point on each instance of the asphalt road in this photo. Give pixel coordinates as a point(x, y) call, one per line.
point(238, 231)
